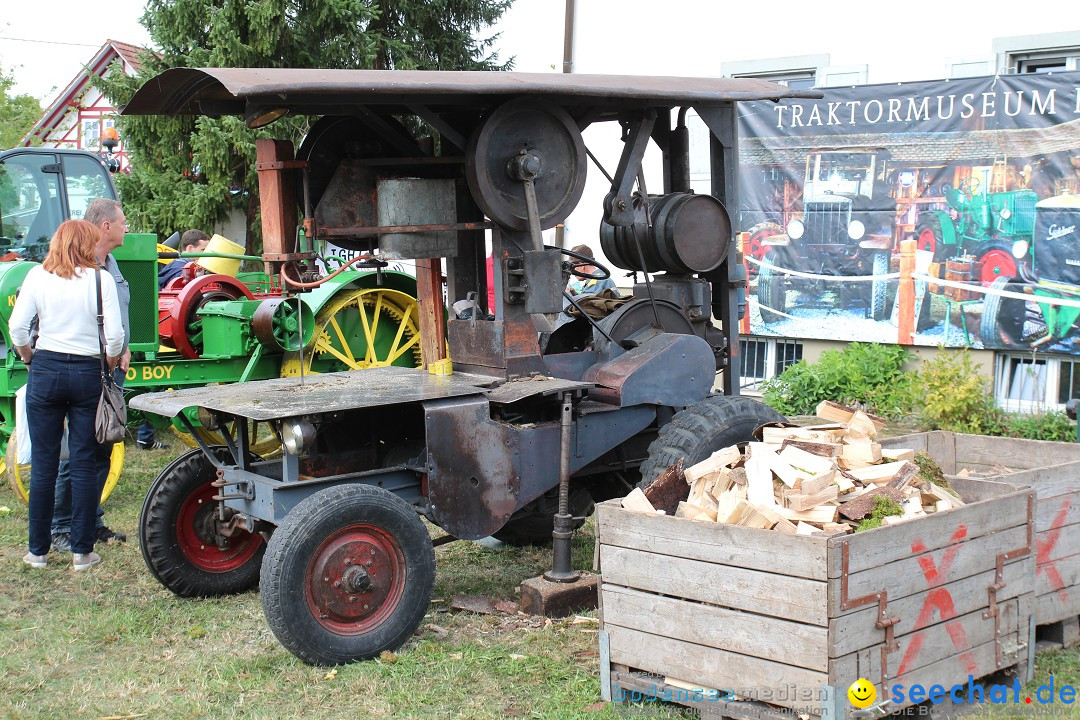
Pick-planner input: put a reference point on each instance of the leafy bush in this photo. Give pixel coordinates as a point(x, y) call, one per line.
point(865, 373)
point(954, 396)
point(1049, 425)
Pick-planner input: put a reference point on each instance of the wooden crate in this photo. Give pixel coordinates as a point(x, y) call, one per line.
point(793, 620)
point(1052, 469)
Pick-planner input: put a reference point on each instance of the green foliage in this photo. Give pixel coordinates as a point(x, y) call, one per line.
point(883, 508)
point(929, 470)
point(955, 396)
point(1050, 425)
point(865, 373)
point(18, 113)
point(192, 172)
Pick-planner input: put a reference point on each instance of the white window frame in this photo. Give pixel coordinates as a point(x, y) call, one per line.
point(781, 70)
point(84, 135)
point(1013, 53)
point(1031, 398)
point(751, 384)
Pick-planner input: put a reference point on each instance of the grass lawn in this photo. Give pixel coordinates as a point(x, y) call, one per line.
point(113, 643)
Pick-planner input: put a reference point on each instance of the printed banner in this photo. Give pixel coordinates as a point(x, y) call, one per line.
point(983, 174)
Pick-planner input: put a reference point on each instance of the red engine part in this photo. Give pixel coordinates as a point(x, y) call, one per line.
point(179, 302)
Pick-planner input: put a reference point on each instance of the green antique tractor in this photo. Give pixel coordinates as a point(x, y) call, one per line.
point(200, 329)
point(1049, 269)
point(986, 226)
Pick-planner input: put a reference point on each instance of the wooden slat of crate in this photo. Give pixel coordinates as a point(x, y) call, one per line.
point(913, 574)
point(857, 629)
point(704, 665)
point(716, 627)
point(956, 637)
point(978, 662)
point(740, 588)
point(710, 709)
point(793, 555)
point(1013, 452)
point(875, 548)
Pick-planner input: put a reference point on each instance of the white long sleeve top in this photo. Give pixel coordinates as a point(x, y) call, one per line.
point(67, 313)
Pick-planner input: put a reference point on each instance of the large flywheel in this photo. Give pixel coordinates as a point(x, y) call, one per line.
point(358, 329)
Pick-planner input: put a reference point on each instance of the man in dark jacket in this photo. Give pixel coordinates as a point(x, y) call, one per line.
point(190, 241)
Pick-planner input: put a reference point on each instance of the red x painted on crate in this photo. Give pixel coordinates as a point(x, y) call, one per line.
point(938, 598)
point(1044, 546)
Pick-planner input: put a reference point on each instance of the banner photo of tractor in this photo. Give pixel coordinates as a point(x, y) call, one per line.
point(929, 213)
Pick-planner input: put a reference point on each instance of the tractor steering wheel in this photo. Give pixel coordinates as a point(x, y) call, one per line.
point(970, 186)
point(583, 261)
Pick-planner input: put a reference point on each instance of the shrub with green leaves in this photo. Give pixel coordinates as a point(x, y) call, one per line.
point(865, 373)
point(955, 396)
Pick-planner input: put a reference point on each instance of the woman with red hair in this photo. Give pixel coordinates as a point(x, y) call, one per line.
point(64, 380)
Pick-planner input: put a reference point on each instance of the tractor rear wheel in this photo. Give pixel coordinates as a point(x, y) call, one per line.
point(18, 474)
point(348, 574)
point(357, 329)
point(182, 536)
point(1003, 318)
point(879, 289)
point(703, 428)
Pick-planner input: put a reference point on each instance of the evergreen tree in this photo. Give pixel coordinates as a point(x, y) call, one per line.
point(192, 171)
point(18, 113)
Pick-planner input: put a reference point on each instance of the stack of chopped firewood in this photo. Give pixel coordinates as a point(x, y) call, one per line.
point(818, 479)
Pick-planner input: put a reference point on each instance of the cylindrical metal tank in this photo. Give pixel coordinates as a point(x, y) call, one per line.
point(689, 234)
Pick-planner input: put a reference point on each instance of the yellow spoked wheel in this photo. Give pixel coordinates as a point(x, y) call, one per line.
point(359, 329)
point(265, 442)
point(18, 475)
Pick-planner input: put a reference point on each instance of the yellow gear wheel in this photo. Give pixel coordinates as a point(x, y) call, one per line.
point(265, 442)
point(18, 475)
point(359, 329)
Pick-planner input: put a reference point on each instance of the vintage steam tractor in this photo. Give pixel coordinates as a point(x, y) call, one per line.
point(214, 327)
point(846, 229)
point(1047, 270)
point(987, 225)
point(514, 441)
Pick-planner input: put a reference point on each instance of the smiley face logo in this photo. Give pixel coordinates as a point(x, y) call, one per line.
point(862, 693)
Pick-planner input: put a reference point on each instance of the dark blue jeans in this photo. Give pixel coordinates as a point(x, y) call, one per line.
point(63, 386)
point(62, 507)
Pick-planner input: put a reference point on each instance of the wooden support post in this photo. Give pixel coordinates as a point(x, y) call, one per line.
point(906, 294)
point(277, 199)
point(432, 323)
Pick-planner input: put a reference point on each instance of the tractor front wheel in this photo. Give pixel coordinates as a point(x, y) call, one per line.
point(348, 574)
point(1003, 318)
point(185, 543)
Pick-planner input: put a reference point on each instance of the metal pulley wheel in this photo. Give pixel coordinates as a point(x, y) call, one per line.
point(281, 324)
point(524, 140)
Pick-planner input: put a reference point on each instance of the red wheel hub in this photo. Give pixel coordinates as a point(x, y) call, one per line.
point(995, 264)
point(202, 545)
point(927, 240)
point(355, 579)
point(178, 305)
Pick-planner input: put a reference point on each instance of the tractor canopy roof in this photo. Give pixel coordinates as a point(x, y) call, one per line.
point(239, 91)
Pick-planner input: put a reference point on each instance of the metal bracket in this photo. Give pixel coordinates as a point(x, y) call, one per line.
point(999, 584)
point(618, 204)
point(884, 622)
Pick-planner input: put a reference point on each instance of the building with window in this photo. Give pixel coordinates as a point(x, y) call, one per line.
point(79, 115)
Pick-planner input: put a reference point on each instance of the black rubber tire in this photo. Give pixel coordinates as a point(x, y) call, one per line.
point(879, 289)
point(930, 223)
point(1003, 318)
point(535, 528)
point(294, 549)
point(161, 544)
point(703, 428)
point(771, 292)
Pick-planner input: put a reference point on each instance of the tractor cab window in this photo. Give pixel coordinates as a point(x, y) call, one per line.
point(30, 207)
point(86, 180)
point(840, 174)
